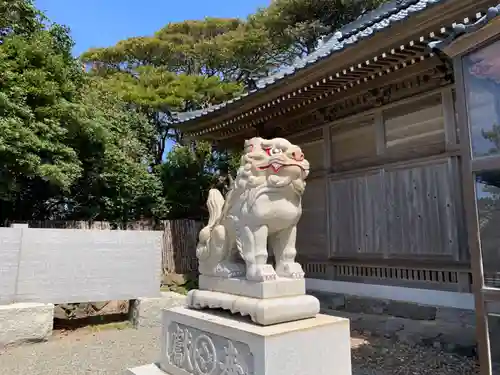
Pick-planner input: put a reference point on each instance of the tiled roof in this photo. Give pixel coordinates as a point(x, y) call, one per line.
point(460, 28)
point(364, 27)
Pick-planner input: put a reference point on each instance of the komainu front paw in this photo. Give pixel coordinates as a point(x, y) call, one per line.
point(262, 272)
point(291, 270)
point(228, 269)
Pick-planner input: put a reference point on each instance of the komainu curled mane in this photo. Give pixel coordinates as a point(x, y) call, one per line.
point(263, 207)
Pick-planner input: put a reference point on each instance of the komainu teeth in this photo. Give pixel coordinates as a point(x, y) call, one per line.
point(276, 166)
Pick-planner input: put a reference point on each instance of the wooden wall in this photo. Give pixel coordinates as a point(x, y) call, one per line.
point(385, 211)
point(402, 212)
point(312, 228)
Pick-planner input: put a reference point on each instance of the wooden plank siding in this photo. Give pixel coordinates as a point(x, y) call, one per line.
point(421, 217)
point(311, 229)
point(357, 211)
point(408, 212)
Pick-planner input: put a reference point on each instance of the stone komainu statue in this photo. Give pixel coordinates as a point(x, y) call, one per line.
point(262, 208)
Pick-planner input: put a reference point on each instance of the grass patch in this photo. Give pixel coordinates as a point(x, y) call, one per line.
point(174, 288)
point(117, 326)
point(181, 285)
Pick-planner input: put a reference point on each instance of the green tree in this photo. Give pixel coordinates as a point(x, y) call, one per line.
point(298, 25)
point(37, 87)
point(69, 148)
point(184, 66)
point(189, 172)
point(158, 94)
point(116, 183)
point(19, 17)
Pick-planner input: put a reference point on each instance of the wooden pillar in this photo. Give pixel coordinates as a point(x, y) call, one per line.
point(327, 167)
point(379, 132)
point(450, 125)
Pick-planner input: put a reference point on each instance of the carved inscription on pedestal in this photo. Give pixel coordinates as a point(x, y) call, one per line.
point(201, 353)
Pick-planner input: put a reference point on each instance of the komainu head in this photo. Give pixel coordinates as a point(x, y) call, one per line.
point(274, 163)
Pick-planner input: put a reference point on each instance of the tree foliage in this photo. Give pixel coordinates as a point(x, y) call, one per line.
point(88, 138)
point(158, 93)
point(189, 172)
point(19, 17)
point(69, 148)
point(299, 24)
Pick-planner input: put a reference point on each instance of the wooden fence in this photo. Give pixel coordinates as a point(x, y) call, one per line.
point(179, 238)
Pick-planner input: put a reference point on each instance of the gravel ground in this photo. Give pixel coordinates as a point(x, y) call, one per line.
point(110, 352)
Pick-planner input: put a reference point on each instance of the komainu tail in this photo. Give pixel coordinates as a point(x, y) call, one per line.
point(215, 205)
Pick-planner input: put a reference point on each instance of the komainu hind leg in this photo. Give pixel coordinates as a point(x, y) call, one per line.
point(283, 245)
point(252, 244)
point(214, 256)
point(230, 266)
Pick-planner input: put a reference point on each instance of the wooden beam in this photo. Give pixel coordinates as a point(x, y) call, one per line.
point(486, 164)
point(403, 77)
point(377, 83)
point(379, 132)
point(450, 124)
point(327, 166)
point(475, 40)
point(392, 166)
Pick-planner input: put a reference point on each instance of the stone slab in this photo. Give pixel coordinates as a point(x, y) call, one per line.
point(10, 246)
point(262, 311)
point(281, 287)
point(147, 312)
point(110, 264)
point(216, 343)
point(151, 369)
point(22, 322)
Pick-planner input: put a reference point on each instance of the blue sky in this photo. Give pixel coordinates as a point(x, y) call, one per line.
point(101, 23)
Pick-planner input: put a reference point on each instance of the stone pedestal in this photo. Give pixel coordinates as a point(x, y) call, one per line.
point(240, 286)
point(217, 343)
point(261, 311)
point(268, 302)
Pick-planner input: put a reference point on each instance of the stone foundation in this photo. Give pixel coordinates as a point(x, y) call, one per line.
point(146, 312)
point(450, 329)
point(70, 311)
point(25, 322)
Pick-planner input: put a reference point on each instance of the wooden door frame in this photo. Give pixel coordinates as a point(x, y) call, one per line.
point(472, 38)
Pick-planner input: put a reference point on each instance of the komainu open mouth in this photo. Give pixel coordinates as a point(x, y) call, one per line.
point(277, 166)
